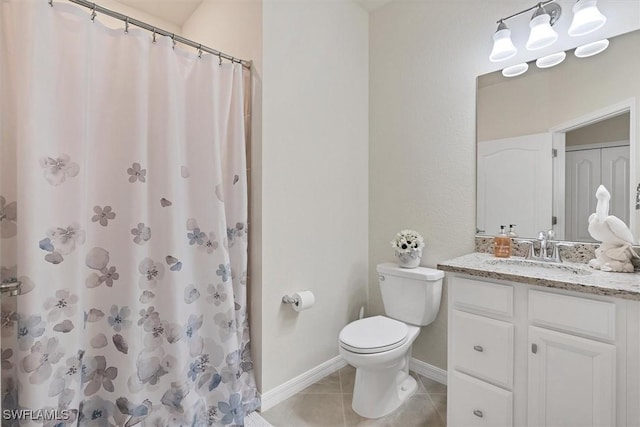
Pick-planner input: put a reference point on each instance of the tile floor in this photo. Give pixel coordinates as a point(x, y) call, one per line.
point(327, 403)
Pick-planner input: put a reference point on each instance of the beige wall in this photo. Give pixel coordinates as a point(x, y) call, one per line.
point(425, 56)
point(231, 26)
point(134, 13)
point(314, 179)
point(611, 130)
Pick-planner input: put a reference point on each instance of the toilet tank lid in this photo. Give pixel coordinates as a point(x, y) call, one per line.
point(418, 273)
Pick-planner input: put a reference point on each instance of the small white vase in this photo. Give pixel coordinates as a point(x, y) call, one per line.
point(409, 259)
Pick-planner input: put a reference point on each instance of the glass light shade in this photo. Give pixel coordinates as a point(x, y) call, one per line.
point(591, 49)
point(541, 35)
point(550, 60)
point(515, 70)
point(586, 18)
point(503, 47)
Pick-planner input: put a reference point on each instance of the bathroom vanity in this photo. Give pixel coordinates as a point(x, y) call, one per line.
point(540, 344)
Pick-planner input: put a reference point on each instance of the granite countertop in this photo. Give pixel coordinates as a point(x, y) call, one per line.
point(570, 276)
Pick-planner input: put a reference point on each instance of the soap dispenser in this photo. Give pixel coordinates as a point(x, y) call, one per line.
point(502, 244)
point(512, 231)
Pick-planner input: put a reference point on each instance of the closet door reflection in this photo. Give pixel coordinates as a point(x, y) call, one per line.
point(585, 171)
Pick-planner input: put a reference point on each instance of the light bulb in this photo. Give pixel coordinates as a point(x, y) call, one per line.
point(541, 35)
point(503, 47)
point(586, 18)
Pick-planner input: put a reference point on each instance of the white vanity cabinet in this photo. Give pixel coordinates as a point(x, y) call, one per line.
point(523, 355)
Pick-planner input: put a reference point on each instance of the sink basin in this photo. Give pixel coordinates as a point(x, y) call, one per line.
point(525, 265)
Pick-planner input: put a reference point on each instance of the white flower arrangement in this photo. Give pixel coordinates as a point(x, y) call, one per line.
point(407, 241)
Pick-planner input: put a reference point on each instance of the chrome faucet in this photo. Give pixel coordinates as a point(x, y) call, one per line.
point(544, 237)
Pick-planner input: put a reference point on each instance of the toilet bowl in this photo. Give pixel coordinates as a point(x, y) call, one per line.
point(382, 371)
point(379, 347)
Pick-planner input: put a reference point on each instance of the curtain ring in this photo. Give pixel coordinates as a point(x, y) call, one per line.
point(126, 25)
point(93, 13)
point(51, 3)
point(173, 39)
point(199, 51)
point(219, 58)
point(154, 35)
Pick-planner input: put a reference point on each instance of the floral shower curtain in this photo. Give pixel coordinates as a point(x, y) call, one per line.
point(123, 211)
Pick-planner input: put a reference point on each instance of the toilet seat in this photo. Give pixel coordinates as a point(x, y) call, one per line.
point(373, 335)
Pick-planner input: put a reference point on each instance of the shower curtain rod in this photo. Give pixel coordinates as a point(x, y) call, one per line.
point(176, 38)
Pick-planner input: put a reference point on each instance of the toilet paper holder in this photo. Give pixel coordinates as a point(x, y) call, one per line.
point(288, 300)
point(301, 300)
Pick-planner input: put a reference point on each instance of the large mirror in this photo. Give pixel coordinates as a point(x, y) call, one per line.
point(548, 138)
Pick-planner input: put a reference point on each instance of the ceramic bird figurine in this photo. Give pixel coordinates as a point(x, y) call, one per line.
point(616, 251)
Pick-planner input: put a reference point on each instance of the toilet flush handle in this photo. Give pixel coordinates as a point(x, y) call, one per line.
point(381, 277)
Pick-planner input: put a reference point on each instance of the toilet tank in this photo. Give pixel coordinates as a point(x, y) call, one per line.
point(411, 295)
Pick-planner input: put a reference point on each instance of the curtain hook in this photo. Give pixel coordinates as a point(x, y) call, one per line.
point(154, 35)
point(219, 58)
point(93, 13)
point(199, 51)
point(126, 25)
point(173, 39)
point(51, 3)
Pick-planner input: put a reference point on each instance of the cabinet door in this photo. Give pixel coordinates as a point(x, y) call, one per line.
point(571, 381)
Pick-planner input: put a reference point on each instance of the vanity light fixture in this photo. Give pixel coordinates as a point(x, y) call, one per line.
point(591, 49)
point(586, 18)
point(503, 47)
point(541, 34)
point(550, 60)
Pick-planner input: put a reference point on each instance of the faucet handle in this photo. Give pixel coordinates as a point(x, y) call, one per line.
point(530, 253)
point(556, 250)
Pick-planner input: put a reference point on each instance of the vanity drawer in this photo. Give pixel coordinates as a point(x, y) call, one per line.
point(488, 297)
point(478, 404)
point(581, 316)
point(483, 347)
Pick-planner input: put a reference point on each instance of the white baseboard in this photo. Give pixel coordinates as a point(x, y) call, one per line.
point(255, 420)
point(295, 385)
point(427, 370)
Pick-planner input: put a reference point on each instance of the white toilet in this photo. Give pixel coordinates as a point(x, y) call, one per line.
point(379, 347)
